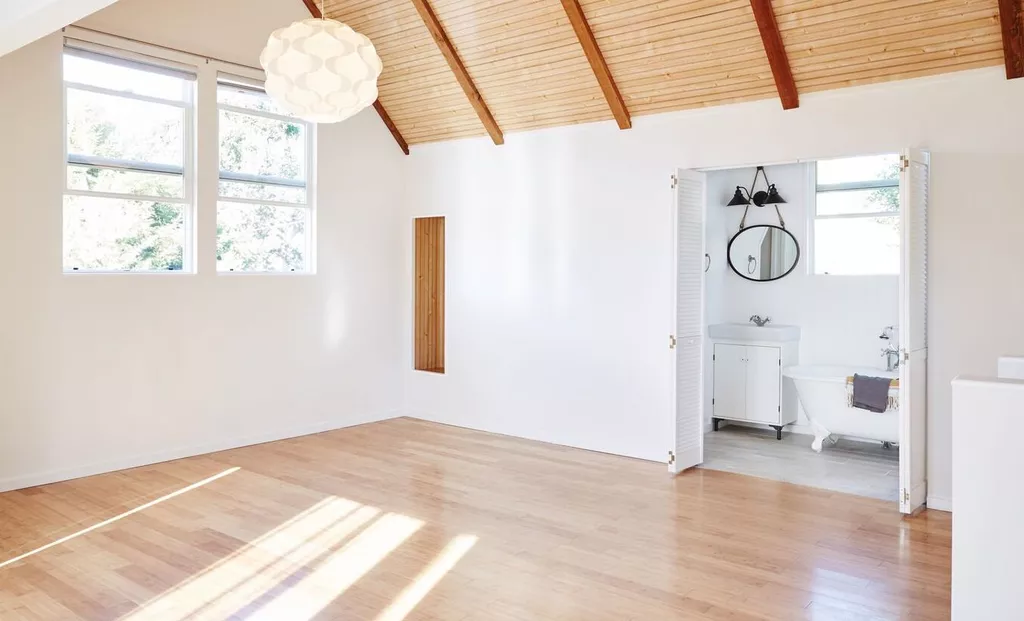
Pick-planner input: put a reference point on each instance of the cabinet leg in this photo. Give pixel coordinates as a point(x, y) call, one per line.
point(778, 431)
point(714, 423)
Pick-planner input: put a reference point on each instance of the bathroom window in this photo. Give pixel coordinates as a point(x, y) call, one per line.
point(856, 224)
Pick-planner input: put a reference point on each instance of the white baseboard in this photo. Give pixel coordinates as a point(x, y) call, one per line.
point(134, 461)
point(940, 504)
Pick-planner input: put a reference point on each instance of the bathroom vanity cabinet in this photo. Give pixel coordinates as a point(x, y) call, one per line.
point(747, 363)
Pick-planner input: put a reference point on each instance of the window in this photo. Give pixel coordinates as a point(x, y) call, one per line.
point(129, 185)
point(856, 228)
point(265, 212)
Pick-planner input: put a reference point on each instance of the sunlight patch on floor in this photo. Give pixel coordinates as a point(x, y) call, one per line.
point(408, 599)
point(121, 516)
point(247, 575)
point(340, 570)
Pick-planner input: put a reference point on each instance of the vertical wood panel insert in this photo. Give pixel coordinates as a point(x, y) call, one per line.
point(428, 347)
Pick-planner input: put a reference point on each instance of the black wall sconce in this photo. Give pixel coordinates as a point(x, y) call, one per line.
point(759, 198)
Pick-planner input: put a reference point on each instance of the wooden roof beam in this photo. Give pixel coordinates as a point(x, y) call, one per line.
point(772, 40)
point(448, 51)
point(1011, 17)
point(574, 12)
point(314, 10)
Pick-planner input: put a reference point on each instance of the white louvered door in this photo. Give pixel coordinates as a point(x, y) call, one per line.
point(913, 328)
point(689, 322)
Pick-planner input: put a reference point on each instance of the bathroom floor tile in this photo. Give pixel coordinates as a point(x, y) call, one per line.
point(861, 468)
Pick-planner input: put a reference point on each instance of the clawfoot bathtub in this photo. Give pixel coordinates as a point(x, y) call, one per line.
point(823, 394)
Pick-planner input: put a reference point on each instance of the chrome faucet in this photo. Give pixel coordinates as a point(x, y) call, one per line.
point(760, 323)
point(892, 349)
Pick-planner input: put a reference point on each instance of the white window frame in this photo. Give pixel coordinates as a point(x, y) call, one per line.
point(309, 184)
point(187, 170)
point(812, 214)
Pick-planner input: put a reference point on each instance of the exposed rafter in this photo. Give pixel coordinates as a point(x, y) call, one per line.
point(314, 10)
point(461, 74)
point(1011, 17)
point(772, 40)
point(604, 77)
point(391, 126)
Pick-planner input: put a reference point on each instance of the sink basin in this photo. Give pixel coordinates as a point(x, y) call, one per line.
point(776, 333)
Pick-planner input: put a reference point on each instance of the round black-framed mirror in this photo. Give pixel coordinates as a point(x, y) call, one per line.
point(763, 253)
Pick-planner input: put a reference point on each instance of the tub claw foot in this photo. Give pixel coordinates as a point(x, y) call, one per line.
point(817, 444)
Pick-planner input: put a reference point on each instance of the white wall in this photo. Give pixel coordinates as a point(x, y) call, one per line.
point(559, 264)
point(987, 540)
point(840, 317)
point(101, 372)
point(25, 21)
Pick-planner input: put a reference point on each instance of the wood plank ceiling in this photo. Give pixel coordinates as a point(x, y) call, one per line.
point(533, 66)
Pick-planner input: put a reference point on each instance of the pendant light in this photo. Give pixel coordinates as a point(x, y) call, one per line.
point(321, 70)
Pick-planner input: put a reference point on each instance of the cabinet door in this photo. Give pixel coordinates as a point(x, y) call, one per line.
point(730, 382)
point(763, 384)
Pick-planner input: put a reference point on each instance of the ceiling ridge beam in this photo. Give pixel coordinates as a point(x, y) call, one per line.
point(1011, 18)
point(776, 52)
point(314, 10)
point(574, 12)
point(458, 68)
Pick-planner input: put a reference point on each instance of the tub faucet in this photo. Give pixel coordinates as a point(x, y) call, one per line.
point(760, 323)
point(892, 349)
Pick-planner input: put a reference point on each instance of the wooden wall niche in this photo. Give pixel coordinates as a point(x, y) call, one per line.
point(428, 348)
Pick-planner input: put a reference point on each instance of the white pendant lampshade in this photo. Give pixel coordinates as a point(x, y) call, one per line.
point(321, 70)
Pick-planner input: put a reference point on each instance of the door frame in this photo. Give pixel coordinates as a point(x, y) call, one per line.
point(902, 150)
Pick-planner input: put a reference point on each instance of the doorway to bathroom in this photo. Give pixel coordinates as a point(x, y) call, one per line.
point(799, 342)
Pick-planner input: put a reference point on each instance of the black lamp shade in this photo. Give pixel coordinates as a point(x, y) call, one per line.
point(773, 197)
point(738, 199)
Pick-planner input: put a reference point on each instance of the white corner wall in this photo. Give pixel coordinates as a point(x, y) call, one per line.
point(559, 253)
point(101, 372)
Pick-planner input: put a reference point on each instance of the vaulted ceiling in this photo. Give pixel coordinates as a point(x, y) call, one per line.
point(458, 68)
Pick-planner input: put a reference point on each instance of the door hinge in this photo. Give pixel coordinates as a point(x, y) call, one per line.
point(712, 400)
point(671, 458)
point(906, 496)
point(671, 342)
point(714, 357)
point(906, 356)
point(904, 162)
point(780, 408)
point(675, 181)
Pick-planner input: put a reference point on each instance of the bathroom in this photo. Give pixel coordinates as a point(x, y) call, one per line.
point(828, 286)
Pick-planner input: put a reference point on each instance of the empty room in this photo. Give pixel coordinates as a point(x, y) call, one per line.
point(453, 310)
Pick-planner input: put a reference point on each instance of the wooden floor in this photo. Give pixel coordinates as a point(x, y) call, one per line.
point(410, 520)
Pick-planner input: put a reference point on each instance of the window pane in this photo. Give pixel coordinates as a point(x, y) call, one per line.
point(122, 235)
point(261, 238)
point(127, 129)
point(857, 245)
point(850, 169)
point(256, 145)
point(248, 98)
point(858, 201)
point(88, 178)
point(122, 78)
point(262, 192)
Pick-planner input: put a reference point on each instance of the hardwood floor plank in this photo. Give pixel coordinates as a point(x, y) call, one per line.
point(347, 524)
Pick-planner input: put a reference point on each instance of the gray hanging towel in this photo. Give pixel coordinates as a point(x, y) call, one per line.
point(871, 393)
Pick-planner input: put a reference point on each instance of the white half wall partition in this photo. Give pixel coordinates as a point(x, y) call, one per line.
point(988, 423)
